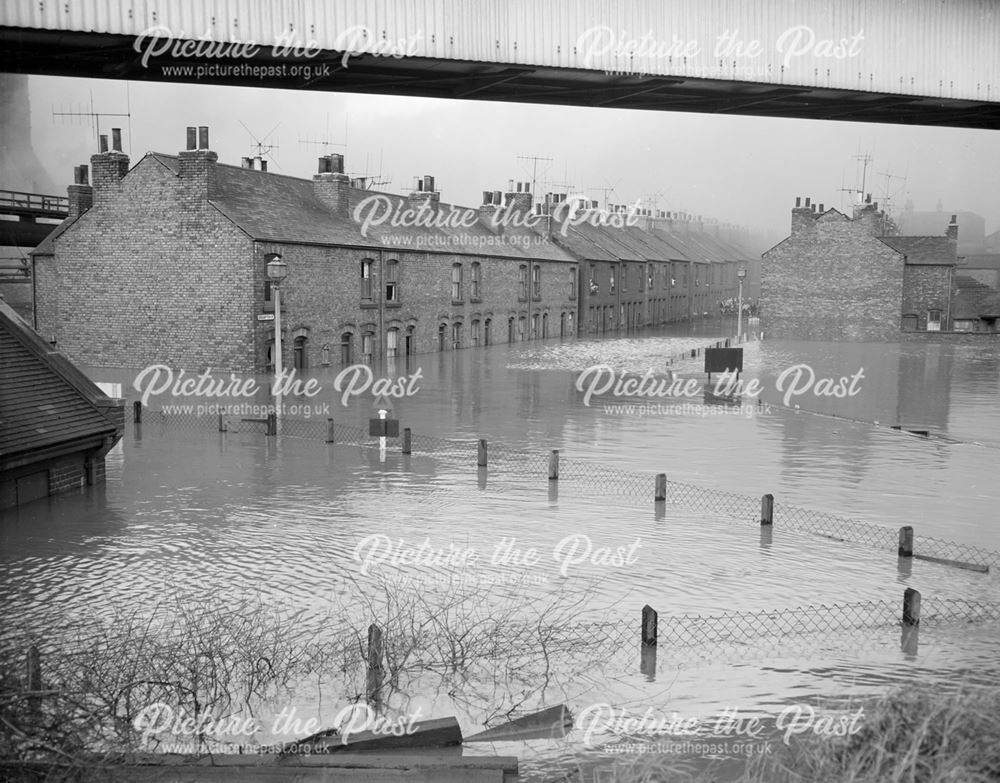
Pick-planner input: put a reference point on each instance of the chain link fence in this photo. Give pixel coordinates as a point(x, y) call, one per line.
point(595, 479)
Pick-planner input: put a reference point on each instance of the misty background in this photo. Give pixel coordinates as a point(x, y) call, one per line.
point(742, 170)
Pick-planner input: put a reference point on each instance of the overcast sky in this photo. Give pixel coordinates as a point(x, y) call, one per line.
point(744, 170)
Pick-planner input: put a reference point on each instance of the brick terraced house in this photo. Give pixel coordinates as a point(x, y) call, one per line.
point(839, 278)
point(165, 263)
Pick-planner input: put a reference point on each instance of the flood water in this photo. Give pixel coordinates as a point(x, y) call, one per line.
point(192, 515)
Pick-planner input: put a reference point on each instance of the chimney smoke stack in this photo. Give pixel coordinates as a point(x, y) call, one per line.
point(116, 139)
point(103, 143)
point(798, 201)
point(202, 137)
point(192, 138)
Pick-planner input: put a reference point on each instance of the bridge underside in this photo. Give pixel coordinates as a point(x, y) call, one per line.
point(112, 56)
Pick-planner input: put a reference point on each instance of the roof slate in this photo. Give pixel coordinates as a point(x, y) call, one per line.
point(44, 399)
point(925, 250)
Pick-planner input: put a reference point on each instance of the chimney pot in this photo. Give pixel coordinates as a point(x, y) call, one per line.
point(487, 196)
point(954, 218)
point(428, 183)
point(497, 197)
point(324, 165)
point(798, 201)
point(807, 202)
point(192, 138)
point(247, 163)
point(868, 198)
point(336, 163)
point(202, 137)
point(103, 142)
point(263, 164)
point(116, 139)
point(821, 208)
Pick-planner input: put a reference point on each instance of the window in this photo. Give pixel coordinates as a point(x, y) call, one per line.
point(367, 346)
point(366, 279)
point(300, 358)
point(392, 281)
point(346, 349)
point(649, 277)
point(456, 282)
point(523, 279)
point(520, 328)
point(572, 284)
point(594, 287)
point(476, 273)
point(624, 279)
point(486, 331)
point(456, 335)
point(534, 326)
point(475, 334)
point(642, 280)
point(933, 320)
point(545, 325)
point(612, 280)
point(910, 322)
point(536, 281)
point(392, 343)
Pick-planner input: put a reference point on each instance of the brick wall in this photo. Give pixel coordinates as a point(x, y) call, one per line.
point(66, 474)
point(927, 287)
point(151, 274)
point(832, 280)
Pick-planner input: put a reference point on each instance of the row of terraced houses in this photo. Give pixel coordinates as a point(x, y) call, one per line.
point(165, 262)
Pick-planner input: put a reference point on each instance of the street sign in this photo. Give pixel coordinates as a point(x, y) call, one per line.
point(741, 272)
point(723, 360)
point(265, 317)
point(383, 428)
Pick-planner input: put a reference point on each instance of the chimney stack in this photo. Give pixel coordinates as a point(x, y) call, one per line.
point(802, 217)
point(952, 231)
point(332, 186)
point(108, 168)
point(424, 193)
point(247, 163)
point(80, 193)
point(197, 164)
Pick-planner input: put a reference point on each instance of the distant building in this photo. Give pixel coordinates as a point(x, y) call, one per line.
point(838, 278)
point(915, 223)
point(55, 425)
point(166, 263)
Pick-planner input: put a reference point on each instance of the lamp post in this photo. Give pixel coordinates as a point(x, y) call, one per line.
point(740, 274)
point(277, 270)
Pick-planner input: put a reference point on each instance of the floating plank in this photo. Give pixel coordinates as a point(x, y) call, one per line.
point(432, 767)
point(982, 569)
point(434, 733)
point(549, 723)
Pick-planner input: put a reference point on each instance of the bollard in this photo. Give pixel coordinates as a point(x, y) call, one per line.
point(481, 455)
point(330, 431)
point(554, 465)
point(661, 487)
point(272, 424)
point(911, 607)
point(222, 423)
point(906, 541)
point(767, 509)
point(374, 664)
point(137, 412)
point(407, 441)
point(649, 626)
point(727, 342)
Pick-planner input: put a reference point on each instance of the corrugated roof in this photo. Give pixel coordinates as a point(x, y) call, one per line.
point(924, 250)
point(44, 399)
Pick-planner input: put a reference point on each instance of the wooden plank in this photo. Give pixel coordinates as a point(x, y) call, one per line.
point(549, 723)
point(982, 569)
point(434, 733)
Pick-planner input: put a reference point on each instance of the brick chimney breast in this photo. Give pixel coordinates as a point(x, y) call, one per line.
point(333, 189)
point(108, 169)
point(952, 231)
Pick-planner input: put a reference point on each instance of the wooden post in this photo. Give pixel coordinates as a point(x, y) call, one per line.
point(649, 626)
point(727, 342)
point(137, 411)
point(374, 661)
point(554, 465)
point(330, 431)
point(911, 607)
point(33, 679)
point(407, 441)
point(222, 423)
point(906, 541)
point(481, 455)
point(767, 509)
point(272, 424)
point(661, 487)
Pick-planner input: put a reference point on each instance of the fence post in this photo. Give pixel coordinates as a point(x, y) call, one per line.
point(222, 423)
point(767, 509)
point(554, 465)
point(911, 607)
point(906, 541)
point(374, 665)
point(137, 412)
point(661, 487)
point(34, 678)
point(272, 424)
point(649, 626)
point(407, 441)
point(481, 453)
point(330, 432)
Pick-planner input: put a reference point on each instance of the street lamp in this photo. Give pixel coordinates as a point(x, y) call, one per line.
point(740, 274)
point(277, 270)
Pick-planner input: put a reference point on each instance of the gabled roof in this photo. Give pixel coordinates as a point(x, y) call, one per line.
point(974, 299)
point(925, 250)
point(44, 399)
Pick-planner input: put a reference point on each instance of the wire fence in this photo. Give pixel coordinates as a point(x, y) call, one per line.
point(594, 479)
